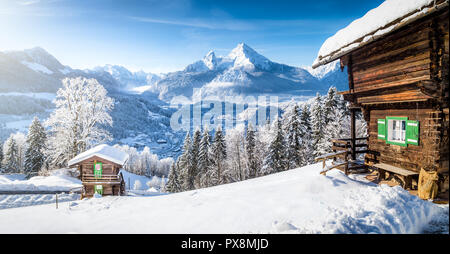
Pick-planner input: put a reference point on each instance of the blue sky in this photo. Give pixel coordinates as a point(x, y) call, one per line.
point(162, 36)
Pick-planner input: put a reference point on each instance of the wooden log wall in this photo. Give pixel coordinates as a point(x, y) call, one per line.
point(411, 157)
point(408, 65)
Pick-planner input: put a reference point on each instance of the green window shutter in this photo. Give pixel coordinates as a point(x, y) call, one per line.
point(412, 132)
point(98, 168)
point(382, 129)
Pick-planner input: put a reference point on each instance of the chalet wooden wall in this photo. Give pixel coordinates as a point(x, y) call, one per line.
point(109, 168)
point(411, 157)
point(406, 74)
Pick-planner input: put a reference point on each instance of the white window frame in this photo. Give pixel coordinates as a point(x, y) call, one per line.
point(400, 130)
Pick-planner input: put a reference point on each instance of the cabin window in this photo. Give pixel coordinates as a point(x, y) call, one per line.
point(398, 131)
point(98, 189)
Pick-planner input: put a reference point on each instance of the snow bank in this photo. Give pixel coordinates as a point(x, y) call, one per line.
point(57, 181)
point(13, 201)
point(365, 28)
point(295, 201)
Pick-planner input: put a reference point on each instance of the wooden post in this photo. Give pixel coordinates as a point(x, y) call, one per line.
point(56, 200)
point(353, 133)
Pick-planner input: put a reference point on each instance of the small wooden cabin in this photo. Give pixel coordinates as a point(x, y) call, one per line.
point(99, 169)
point(398, 77)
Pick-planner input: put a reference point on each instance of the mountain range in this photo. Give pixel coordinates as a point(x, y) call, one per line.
point(30, 78)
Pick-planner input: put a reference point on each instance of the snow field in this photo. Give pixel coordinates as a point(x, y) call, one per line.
point(295, 201)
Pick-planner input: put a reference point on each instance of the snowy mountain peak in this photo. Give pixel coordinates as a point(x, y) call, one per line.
point(210, 60)
point(245, 56)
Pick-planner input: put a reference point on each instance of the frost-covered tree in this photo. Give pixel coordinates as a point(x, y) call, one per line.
point(219, 155)
point(293, 134)
point(194, 174)
point(317, 126)
point(185, 164)
point(275, 161)
point(204, 159)
point(236, 170)
point(1, 157)
point(11, 156)
point(34, 155)
point(330, 104)
point(82, 112)
point(250, 151)
point(173, 183)
point(162, 186)
point(306, 140)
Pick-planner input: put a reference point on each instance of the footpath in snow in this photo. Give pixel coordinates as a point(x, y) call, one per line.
point(294, 201)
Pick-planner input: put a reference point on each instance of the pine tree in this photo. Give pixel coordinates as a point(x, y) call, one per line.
point(1, 157)
point(330, 104)
point(185, 164)
point(317, 126)
point(275, 160)
point(305, 136)
point(204, 158)
point(293, 133)
point(194, 175)
point(34, 155)
point(250, 146)
point(219, 155)
point(173, 183)
point(11, 157)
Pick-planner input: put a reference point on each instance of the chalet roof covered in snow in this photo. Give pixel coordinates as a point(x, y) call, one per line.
point(103, 151)
point(378, 22)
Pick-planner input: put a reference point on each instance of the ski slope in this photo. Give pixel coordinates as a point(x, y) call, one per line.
point(294, 201)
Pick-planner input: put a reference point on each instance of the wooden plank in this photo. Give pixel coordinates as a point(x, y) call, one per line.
point(394, 169)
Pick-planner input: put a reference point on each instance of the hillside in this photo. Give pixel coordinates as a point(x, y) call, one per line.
point(295, 201)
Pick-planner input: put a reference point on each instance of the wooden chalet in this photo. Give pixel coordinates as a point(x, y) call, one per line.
point(99, 169)
point(398, 78)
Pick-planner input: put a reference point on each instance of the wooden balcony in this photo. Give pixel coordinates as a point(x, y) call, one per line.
point(103, 179)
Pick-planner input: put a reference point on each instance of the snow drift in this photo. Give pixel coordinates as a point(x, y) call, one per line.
point(294, 201)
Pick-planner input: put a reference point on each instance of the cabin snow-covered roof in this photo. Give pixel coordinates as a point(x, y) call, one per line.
point(103, 151)
point(378, 22)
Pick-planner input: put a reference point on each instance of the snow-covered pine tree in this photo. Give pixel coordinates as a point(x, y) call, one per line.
point(250, 147)
point(204, 159)
point(219, 155)
point(173, 183)
point(34, 155)
point(317, 126)
point(275, 161)
point(306, 140)
point(185, 165)
point(11, 157)
point(1, 157)
point(293, 137)
point(82, 108)
point(330, 104)
point(194, 174)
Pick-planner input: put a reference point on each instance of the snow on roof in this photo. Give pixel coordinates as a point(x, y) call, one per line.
point(103, 151)
point(389, 16)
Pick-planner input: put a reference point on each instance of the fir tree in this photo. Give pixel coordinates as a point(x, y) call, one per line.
point(204, 159)
point(275, 160)
point(194, 175)
point(34, 155)
point(185, 164)
point(250, 146)
point(305, 136)
point(1, 157)
point(317, 126)
point(293, 145)
point(173, 183)
point(11, 157)
point(330, 104)
point(219, 155)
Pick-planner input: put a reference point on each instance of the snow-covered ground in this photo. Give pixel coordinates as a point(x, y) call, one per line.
point(13, 201)
point(295, 201)
point(57, 181)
